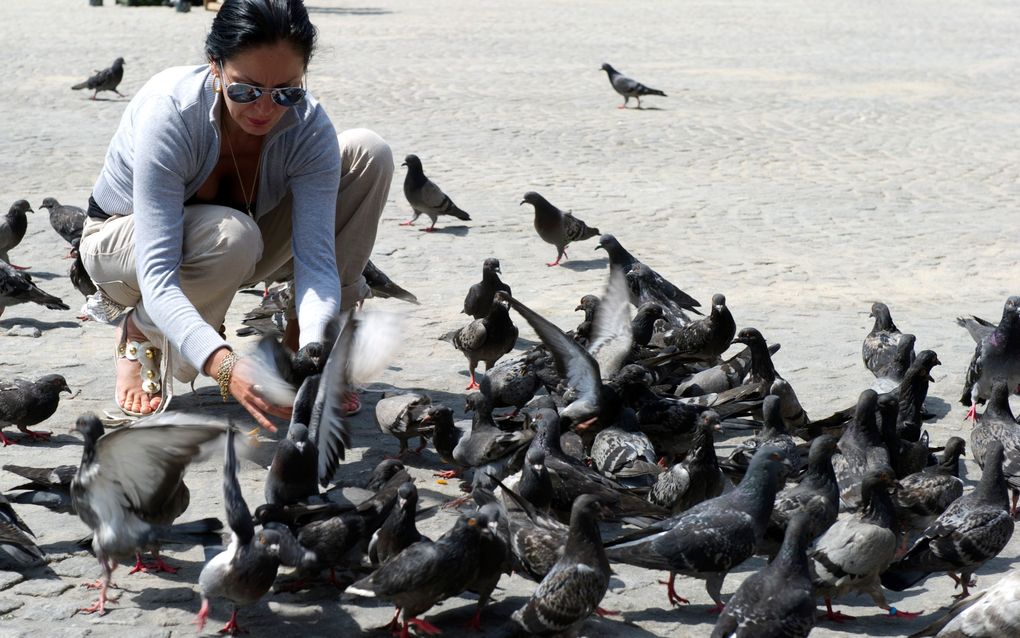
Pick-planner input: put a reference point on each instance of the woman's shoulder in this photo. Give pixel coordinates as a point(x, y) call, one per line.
point(185, 86)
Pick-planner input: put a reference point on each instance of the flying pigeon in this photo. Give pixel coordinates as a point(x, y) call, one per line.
point(383, 287)
point(647, 285)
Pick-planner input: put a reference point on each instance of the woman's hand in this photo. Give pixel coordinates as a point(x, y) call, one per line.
point(243, 388)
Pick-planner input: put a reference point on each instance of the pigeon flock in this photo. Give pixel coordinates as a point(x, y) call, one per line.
point(606, 455)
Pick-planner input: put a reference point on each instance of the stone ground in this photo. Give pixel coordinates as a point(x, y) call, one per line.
point(812, 157)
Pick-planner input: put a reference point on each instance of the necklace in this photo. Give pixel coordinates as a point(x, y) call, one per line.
point(247, 198)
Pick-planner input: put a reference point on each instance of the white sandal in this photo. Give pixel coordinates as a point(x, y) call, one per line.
point(155, 367)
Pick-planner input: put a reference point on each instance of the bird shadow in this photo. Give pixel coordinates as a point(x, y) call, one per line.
point(937, 406)
point(44, 275)
point(354, 11)
point(35, 323)
point(55, 441)
point(156, 598)
point(459, 231)
point(582, 265)
point(644, 108)
point(125, 98)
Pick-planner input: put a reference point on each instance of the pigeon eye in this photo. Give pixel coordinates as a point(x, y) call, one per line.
point(472, 522)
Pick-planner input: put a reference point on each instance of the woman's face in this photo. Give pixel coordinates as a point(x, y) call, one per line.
point(270, 66)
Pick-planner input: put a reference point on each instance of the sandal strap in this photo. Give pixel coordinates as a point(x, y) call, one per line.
point(149, 357)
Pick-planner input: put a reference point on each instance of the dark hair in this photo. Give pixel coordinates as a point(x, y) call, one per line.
point(242, 24)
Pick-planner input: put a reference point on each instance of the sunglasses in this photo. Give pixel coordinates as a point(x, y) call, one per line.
point(287, 96)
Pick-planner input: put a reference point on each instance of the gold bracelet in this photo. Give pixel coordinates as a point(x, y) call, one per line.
point(224, 372)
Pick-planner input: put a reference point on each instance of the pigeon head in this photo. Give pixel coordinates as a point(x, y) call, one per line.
point(772, 414)
point(407, 497)
point(879, 479)
point(998, 401)
point(749, 336)
point(533, 198)
point(536, 459)
point(608, 69)
point(650, 310)
point(90, 427)
point(768, 465)
point(412, 163)
point(298, 433)
point(438, 415)
point(501, 298)
point(588, 303)
point(888, 408)
point(488, 519)
point(608, 243)
point(20, 207)
point(491, 265)
point(278, 541)
point(709, 422)
point(383, 472)
point(955, 448)
point(822, 449)
point(926, 360)
point(54, 382)
point(118, 62)
point(1010, 309)
point(49, 203)
point(883, 319)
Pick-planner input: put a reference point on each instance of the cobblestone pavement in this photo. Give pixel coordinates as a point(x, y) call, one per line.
point(812, 157)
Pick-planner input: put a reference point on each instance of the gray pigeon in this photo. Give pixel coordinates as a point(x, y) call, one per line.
point(627, 87)
point(773, 434)
point(104, 80)
point(972, 531)
point(647, 285)
point(778, 601)
point(515, 380)
point(996, 355)
point(713, 537)
point(697, 477)
point(18, 551)
point(400, 415)
point(26, 403)
point(68, 221)
point(479, 299)
point(992, 613)
point(977, 327)
point(536, 537)
point(879, 349)
point(485, 339)
point(13, 227)
point(576, 584)
point(889, 377)
point(16, 287)
point(998, 425)
point(625, 453)
point(425, 197)
point(557, 227)
point(860, 450)
point(926, 494)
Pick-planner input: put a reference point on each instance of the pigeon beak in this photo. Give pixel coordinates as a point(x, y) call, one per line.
point(937, 362)
point(738, 340)
point(599, 247)
point(930, 379)
point(717, 427)
point(403, 163)
point(579, 307)
point(523, 202)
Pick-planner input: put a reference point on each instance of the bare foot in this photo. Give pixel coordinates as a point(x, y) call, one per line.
point(129, 381)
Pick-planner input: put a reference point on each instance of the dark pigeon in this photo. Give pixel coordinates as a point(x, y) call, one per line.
point(400, 416)
point(926, 494)
point(16, 288)
point(627, 87)
point(536, 537)
point(383, 287)
point(13, 227)
point(129, 487)
point(26, 403)
point(398, 531)
point(582, 333)
point(485, 339)
point(972, 531)
point(535, 485)
point(479, 299)
point(996, 355)
point(484, 442)
point(879, 349)
point(68, 221)
point(48, 487)
point(576, 584)
point(706, 338)
point(80, 278)
point(107, 79)
point(425, 197)
point(557, 227)
point(860, 450)
point(772, 434)
point(244, 571)
point(697, 477)
point(18, 551)
point(778, 601)
point(647, 285)
point(642, 326)
point(998, 425)
point(713, 537)
point(912, 392)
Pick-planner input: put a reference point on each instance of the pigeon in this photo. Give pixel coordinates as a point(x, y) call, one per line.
point(627, 87)
point(383, 287)
point(709, 337)
point(535, 485)
point(993, 613)
point(972, 531)
point(514, 381)
point(713, 537)
point(816, 496)
point(977, 327)
point(49, 487)
point(879, 349)
point(13, 227)
point(860, 450)
point(479, 299)
point(484, 443)
point(104, 80)
point(582, 333)
point(16, 288)
point(642, 326)
point(18, 551)
point(80, 278)
point(996, 355)
point(485, 339)
point(852, 554)
point(129, 487)
point(575, 585)
point(891, 375)
point(625, 453)
point(425, 574)
point(695, 479)
point(926, 494)
point(26, 403)
point(425, 197)
point(244, 571)
point(773, 434)
point(998, 425)
point(912, 392)
point(68, 221)
point(398, 531)
point(536, 537)
point(725, 376)
point(400, 416)
point(557, 227)
point(645, 284)
point(778, 601)
point(494, 559)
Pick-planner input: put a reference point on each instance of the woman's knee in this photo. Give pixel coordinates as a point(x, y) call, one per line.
point(224, 239)
point(364, 149)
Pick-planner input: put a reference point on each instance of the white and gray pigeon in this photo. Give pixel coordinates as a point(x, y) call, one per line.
point(888, 378)
point(425, 197)
point(879, 349)
point(992, 613)
point(713, 537)
point(13, 227)
point(628, 87)
point(972, 531)
point(997, 424)
point(996, 355)
point(647, 285)
point(16, 287)
point(557, 227)
point(576, 583)
point(68, 221)
point(777, 601)
point(400, 416)
point(107, 79)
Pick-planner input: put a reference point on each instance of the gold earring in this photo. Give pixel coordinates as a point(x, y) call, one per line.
point(216, 84)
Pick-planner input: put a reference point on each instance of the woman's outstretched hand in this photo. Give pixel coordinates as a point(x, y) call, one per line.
point(243, 387)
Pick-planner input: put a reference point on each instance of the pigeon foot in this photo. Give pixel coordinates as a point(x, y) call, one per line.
point(449, 474)
point(424, 625)
point(5, 440)
point(232, 627)
point(407, 223)
point(903, 614)
point(673, 597)
point(602, 613)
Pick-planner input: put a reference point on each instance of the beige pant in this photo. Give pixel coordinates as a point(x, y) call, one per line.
point(224, 249)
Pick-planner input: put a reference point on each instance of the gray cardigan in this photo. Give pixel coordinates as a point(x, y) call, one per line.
point(166, 146)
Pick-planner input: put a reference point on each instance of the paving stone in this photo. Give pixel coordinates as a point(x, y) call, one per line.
point(9, 579)
point(43, 588)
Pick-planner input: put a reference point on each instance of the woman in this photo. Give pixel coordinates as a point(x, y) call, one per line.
point(225, 175)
